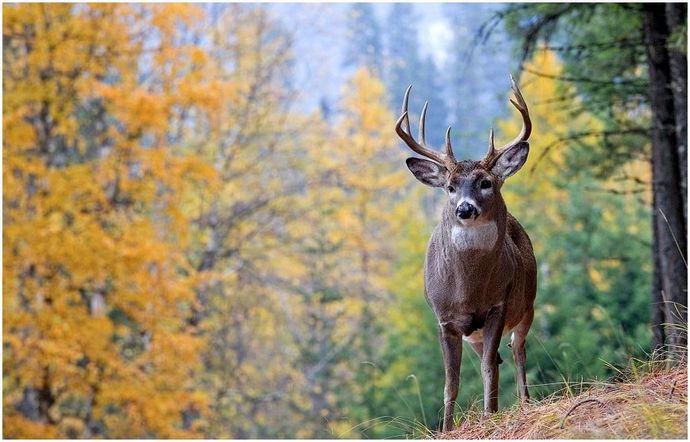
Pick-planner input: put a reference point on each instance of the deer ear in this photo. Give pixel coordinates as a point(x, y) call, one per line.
point(428, 172)
point(511, 160)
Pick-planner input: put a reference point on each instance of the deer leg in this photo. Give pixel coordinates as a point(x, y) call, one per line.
point(478, 348)
point(520, 355)
point(493, 328)
point(452, 354)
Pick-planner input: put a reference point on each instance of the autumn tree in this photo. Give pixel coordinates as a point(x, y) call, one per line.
point(365, 179)
point(96, 285)
point(243, 237)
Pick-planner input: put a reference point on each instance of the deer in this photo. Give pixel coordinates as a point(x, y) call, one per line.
point(480, 273)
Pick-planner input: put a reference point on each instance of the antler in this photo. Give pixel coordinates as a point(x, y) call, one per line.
point(405, 134)
point(524, 134)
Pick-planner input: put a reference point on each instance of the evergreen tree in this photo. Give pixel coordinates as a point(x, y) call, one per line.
point(402, 53)
point(406, 67)
point(477, 76)
point(431, 86)
point(590, 238)
point(623, 64)
point(364, 47)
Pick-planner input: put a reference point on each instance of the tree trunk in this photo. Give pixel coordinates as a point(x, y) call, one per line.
point(676, 18)
point(670, 226)
point(658, 306)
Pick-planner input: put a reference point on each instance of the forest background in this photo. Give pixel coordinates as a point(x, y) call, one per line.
point(209, 230)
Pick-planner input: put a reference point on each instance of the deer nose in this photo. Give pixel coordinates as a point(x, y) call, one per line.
point(465, 210)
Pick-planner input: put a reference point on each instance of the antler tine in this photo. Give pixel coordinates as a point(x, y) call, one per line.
point(422, 124)
point(405, 134)
point(449, 149)
point(404, 108)
point(521, 106)
point(492, 148)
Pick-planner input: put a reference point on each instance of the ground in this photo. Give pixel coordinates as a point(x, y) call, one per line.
point(652, 405)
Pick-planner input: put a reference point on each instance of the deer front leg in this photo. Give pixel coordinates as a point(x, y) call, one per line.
point(451, 345)
point(493, 327)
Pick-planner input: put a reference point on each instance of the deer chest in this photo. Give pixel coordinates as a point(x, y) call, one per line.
point(474, 238)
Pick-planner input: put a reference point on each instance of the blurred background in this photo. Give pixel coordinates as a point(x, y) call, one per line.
point(209, 229)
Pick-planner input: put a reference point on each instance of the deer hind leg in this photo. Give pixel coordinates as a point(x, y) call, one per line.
point(452, 354)
point(493, 329)
point(520, 355)
point(478, 347)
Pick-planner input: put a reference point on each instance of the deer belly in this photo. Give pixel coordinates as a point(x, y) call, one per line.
point(477, 336)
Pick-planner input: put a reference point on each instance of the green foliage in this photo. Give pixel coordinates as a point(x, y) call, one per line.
point(592, 242)
point(593, 300)
point(679, 38)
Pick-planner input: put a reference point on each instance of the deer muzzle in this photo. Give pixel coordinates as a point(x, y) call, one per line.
point(465, 210)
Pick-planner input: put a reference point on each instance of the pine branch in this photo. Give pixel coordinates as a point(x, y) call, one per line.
point(624, 43)
point(640, 83)
point(580, 135)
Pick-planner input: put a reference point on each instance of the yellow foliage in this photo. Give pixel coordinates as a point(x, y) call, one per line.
point(18, 427)
point(598, 279)
point(162, 209)
point(93, 248)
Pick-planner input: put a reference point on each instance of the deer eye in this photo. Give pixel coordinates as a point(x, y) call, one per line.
point(485, 184)
point(451, 189)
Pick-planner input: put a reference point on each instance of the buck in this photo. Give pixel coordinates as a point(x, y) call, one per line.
point(479, 271)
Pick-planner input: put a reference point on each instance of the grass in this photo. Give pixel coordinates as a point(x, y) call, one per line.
point(646, 401)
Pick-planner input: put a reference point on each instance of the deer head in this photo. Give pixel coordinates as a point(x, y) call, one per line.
point(473, 187)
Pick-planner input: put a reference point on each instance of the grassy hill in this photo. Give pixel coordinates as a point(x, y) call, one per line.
point(649, 404)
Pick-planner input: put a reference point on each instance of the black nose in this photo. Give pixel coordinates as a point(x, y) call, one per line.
point(465, 210)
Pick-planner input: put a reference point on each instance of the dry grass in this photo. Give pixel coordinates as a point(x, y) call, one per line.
point(652, 405)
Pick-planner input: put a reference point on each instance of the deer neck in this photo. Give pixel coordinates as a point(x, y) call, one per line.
point(483, 240)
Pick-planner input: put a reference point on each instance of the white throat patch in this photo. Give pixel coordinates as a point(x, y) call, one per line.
point(482, 237)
